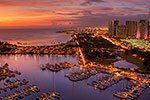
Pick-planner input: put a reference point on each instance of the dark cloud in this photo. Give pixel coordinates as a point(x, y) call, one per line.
point(101, 20)
point(132, 9)
point(90, 2)
point(107, 8)
point(74, 13)
point(87, 12)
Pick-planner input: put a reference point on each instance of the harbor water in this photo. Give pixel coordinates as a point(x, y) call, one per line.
point(29, 66)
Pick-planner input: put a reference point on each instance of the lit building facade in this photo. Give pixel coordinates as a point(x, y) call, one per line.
point(142, 31)
point(131, 29)
point(112, 26)
point(121, 31)
point(148, 28)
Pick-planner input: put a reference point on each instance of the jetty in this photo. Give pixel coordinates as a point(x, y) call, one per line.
point(132, 91)
point(20, 94)
point(106, 81)
point(49, 95)
point(57, 67)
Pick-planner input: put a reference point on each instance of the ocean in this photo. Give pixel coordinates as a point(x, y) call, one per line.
point(33, 37)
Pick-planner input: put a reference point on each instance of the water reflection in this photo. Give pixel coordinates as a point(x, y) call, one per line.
point(15, 58)
point(34, 58)
point(29, 66)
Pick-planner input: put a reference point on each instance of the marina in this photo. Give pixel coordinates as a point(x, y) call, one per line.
point(74, 50)
point(49, 95)
point(57, 67)
point(132, 91)
point(105, 82)
point(83, 75)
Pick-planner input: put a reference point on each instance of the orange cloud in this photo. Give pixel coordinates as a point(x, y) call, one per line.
point(55, 13)
point(31, 3)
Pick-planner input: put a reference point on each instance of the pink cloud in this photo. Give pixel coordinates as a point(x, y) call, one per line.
point(70, 12)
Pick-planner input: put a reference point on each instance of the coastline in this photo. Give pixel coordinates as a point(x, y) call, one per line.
point(63, 48)
point(33, 37)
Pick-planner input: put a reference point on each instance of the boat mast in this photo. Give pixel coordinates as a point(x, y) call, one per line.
point(54, 86)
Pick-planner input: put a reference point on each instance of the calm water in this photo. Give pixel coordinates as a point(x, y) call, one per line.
point(33, 36)
point(29, 66)
point(125, 64)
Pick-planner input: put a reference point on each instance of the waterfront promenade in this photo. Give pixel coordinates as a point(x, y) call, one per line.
point(64, 48)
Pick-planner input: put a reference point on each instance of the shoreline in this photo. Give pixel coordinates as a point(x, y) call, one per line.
point(34, 37)
point(64, 48)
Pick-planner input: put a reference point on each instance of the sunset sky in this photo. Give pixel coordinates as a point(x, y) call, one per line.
point(69, 13)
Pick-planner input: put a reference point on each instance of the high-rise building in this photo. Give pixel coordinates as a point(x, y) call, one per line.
point(113, 27)
point(142, 29)
point(148, 28)
point(110, 28)
point(131, 29)
point(122, 31)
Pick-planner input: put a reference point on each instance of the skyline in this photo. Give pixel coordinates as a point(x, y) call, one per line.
point(69, 13)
